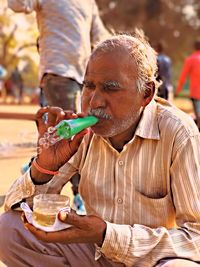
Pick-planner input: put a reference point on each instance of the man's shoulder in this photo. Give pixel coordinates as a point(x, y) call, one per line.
point(176, 119)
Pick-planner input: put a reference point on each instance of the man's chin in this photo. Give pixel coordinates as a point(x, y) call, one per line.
point(102, 133)
point(99, 131)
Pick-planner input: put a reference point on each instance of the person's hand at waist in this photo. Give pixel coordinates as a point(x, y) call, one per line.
point(85, 229)
point(51, 154)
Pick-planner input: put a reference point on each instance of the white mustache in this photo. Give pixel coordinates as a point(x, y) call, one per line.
point(99, 113)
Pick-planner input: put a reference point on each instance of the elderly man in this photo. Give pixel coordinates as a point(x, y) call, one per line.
point(140, 174)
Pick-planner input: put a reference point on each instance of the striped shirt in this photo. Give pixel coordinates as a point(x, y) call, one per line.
point(148, 194)
point(68, 29)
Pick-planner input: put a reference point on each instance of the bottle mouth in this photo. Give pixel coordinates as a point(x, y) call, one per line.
point(67, 128)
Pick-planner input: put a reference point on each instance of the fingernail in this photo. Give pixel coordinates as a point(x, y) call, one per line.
point(62, 215)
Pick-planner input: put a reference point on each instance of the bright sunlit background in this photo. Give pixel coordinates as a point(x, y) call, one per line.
point(174, 22)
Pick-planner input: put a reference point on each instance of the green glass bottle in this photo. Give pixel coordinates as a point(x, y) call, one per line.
point(67, 128)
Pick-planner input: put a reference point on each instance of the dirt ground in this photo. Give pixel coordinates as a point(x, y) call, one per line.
point(18, 143)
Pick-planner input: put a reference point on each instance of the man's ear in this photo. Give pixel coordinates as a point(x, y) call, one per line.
point(149, 92)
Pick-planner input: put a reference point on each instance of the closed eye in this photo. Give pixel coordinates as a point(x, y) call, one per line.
point(111, 86)
point(89, 85)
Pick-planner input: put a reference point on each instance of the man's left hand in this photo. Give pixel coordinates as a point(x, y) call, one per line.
point(85, 229)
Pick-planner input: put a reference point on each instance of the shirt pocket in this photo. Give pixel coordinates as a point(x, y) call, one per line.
point(154, 212)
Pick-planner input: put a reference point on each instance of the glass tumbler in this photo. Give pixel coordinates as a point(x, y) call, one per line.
point(46, 207)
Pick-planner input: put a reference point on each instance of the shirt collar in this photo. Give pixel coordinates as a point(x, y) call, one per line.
point(148, 125)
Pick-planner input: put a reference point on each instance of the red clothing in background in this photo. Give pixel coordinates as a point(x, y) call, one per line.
point(191, 70)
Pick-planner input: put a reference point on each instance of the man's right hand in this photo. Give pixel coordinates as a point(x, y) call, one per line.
point(53, 156)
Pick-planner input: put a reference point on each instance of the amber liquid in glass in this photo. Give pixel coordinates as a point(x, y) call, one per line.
point(44, 218)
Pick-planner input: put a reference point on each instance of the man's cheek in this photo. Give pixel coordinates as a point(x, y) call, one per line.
point(85, 103)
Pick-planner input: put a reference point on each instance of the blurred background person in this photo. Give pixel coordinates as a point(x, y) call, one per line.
point(9, 89)
point(42, 99)
point(191, 70)
point(68, 29)
point(17, 85)
point(164, 73)
point(3, 73)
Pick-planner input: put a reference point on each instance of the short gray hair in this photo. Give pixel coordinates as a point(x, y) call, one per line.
point(140, 50)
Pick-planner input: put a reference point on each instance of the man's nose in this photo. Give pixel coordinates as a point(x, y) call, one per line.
point(97, 99)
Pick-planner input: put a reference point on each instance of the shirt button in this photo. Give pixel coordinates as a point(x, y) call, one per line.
point(121, 162)
point(119, 200)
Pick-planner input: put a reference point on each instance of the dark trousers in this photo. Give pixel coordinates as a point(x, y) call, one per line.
point(60, 91)
point(19, 248)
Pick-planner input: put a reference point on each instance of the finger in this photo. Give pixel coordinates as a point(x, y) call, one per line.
point(69, 114)
point(55, 115)
point(78, 115)
point(51, 237)
point(41, 235)
point(75, 143)
point(81, 115)
point(72, 218)
point(40, 119)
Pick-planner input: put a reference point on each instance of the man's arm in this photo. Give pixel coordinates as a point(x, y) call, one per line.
point(55, 157)
point(26, 6)
point(25, 188)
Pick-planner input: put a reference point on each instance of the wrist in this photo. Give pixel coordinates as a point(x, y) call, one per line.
point(39, 178)
point(43, 169)
point(100, 243)
point(40, 175)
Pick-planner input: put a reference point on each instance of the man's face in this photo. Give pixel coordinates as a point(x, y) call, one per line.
point(109, 93)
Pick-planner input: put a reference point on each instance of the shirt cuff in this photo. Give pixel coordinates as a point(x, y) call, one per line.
point(23, 188)
point(117, 242)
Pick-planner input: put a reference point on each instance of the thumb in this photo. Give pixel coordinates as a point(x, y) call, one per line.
point(71, 218)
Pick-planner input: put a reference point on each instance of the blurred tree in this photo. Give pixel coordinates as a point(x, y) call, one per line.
point(175, 22)
point(17, 48)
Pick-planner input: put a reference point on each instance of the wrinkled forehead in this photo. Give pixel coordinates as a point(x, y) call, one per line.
point(115, 58)
point(115, 65)
point(112, 51)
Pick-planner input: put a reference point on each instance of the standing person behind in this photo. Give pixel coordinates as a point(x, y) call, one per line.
point(191, 70)
point(17, 84)
point(67, 29)
point(140, 174)
point(42, 100)
point(3, 73)
point(164, 72)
